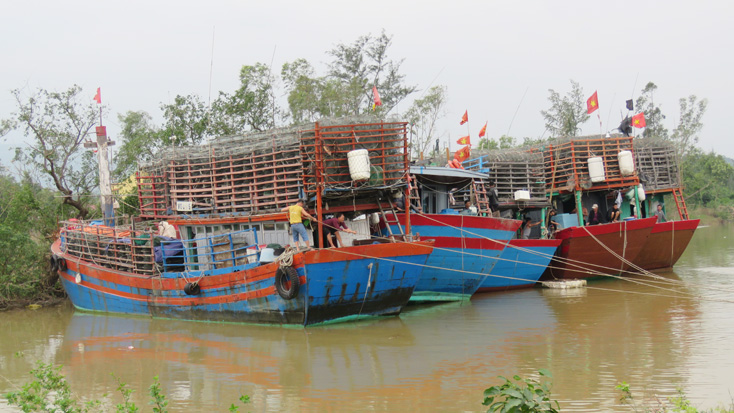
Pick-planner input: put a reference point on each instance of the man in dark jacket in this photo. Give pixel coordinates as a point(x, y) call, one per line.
point(595, 217)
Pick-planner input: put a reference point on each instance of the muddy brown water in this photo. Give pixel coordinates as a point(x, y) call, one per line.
point(431, 358)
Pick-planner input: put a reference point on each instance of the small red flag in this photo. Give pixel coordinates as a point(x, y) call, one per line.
point(462, 154)
point(465, 118)
point(466, 140)
point(376, 97)
point(484, 130)
point(98, 96)
point(638, 121)
point(592, 104)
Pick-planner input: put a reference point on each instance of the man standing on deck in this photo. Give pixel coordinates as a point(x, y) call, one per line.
point(332, 226)
point(595, 217)
point(660, 214)
point(494, 203)
point(528, 227)
point(296, 213)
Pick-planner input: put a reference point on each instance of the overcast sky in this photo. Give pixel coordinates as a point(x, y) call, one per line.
point(488, 54)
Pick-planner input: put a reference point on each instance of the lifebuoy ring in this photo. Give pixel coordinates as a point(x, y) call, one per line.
point(287, 282)
point(54, 263)
point(192, 289)
point(61, 263)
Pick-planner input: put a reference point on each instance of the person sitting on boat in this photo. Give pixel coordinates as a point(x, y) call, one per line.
point(296, 213)
point(332, 226)
point(615, 214)
point(166, 230)
point(469, 209)
point(595, 217)
point(661, 214)
point(528, 227)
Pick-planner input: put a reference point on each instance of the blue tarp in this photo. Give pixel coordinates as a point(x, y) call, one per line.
point(169, 246)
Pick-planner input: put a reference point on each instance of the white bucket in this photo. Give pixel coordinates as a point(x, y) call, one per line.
point(359, 164)
point(596, 169)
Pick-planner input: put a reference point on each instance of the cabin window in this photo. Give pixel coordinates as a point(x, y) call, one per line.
point(268, 227)
point(227, 227)
point(280, 226)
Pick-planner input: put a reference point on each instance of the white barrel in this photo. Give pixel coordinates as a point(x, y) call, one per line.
point(626, 164)
point(359, 164)
point(596, 169)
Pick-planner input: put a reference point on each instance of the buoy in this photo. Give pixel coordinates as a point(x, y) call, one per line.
point(192, 289)
point(359, 164)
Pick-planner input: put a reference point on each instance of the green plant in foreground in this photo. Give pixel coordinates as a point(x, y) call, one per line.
point(676, 404)
point(159, 401)
point(521, 395)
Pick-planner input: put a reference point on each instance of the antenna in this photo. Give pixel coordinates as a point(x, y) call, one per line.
point(518, 108)
point(211, 68)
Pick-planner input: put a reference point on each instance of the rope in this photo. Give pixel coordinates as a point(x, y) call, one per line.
point(286, 258)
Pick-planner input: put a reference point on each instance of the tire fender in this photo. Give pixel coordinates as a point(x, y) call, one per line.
point(287, 282)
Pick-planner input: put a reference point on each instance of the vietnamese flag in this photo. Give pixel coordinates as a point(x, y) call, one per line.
point(465, 118)
point(638, 121)
point(462, 154)
point(466, 140)
point(592, 104)
point(484, 130)
point(98, 96)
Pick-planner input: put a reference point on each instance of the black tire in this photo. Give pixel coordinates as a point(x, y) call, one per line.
point(192, 289)
point(287, 282)
point(54, 263)
point(61, 264)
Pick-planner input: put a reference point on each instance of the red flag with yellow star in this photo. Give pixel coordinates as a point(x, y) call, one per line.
point(638, 121)
point(466, 140)
point(592, 104)
point(465, 118)
point(462, 154)
point(484, 130)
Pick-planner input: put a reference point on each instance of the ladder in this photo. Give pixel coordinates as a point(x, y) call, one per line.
point(482, 199)
point(680, 203)
point(395, 220)
point(414, 197)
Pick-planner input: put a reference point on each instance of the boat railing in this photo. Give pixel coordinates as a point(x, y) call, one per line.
point(123, 248)
point(208, 253)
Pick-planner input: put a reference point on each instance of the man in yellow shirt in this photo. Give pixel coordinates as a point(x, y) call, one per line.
point(296, 213)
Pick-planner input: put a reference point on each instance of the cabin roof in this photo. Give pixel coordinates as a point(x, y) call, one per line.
point(446, 172)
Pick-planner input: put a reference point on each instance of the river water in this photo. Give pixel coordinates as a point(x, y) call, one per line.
point(436, 358)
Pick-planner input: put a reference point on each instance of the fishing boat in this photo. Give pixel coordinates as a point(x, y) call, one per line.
point(521, 264)
point(467, 247)
point(226, 260)
point(227, 277)
point(667, 242)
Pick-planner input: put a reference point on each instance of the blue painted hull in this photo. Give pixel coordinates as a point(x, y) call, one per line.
point(518, 268)
point(466, 250)
point(371, 280)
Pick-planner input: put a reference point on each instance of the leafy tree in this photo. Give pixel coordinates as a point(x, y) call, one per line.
point(363, 64)
point(56, 124)
point(708, 178)
point(504, 142)
point(140, 141)
point(566, 113)
point(423, 115)
point(186, 121)
point(685, 135)
point(305, 90)
point(653, 114)
point(251, 107)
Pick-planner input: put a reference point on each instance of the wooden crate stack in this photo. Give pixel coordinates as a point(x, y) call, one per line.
point(656, 162)
point(567, 167)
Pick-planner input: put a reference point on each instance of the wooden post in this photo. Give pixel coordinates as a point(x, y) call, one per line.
point(319, 184)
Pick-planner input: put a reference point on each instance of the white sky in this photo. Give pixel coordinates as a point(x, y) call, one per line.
point(487, 53)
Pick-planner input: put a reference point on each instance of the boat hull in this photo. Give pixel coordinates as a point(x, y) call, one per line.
point(520, 265)
point(336, 285)
point(466, 250)
point(667, 242)
point(582, 253)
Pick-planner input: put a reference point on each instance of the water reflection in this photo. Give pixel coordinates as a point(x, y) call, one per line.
point(431, 358)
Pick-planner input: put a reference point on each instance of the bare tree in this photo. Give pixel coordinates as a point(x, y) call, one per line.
point(423, 115)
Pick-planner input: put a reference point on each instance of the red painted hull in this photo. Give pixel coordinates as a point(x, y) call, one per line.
point(666, 244)
point(582, 246)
